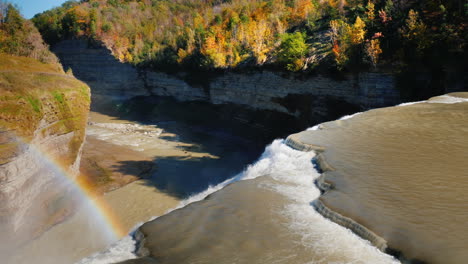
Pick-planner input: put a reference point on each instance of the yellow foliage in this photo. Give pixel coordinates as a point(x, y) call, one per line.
point(358, 31)
point(416, 31)
point(258, 37)
point(302, 8)
point(370, 11)
point(373, 50)
point(128, 56)
point(181, 55)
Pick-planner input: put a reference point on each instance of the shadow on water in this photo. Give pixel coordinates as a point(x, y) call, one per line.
point(213, 151)
point(183, 176)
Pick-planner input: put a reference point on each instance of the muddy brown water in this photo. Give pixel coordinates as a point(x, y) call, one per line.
point(121, 147)
point(402, 172)
point(263, 215)
point(399, 171)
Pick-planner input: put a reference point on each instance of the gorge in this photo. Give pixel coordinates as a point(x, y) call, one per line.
point(140, 136)
point(135, 100)
point(263, 99)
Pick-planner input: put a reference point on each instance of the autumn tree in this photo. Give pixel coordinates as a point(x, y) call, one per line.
point(370, 12)
point(415, 32)
point(224, 34)
point(358, 31)
point(373, 51)
point(341, 40)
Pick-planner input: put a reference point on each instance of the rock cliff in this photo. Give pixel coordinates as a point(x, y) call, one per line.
point(311, 100)
point(43, 115)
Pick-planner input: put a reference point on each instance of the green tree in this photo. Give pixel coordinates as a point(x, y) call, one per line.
point(293, 50)
point(13, 21)
point(19, 37)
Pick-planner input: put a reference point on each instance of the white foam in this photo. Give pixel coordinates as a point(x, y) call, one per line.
point(443, 99)
point(314, 128)
point(119, 251)
point(447, 99)
point(411, 103)
point(350, 116)
point(294, 176)
point(319, 126)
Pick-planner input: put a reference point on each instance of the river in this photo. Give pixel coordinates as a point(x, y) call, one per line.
point(402, 172)
point(145, 168)
point(398, 171)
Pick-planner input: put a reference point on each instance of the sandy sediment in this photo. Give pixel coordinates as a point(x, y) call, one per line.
point(117, 159)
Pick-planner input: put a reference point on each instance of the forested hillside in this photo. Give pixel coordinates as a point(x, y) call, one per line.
point(34, 88)
point(296, 35)
point(19, 36)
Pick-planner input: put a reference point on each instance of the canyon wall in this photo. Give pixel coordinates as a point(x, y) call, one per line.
point(43, 115)
point(306, 99)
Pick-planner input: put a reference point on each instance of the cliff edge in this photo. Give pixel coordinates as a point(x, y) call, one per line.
point(43, 115)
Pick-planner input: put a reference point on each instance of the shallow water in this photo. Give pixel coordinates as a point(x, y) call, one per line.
point(403, 173)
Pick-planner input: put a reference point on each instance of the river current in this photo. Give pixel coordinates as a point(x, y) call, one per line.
point(262, 215)
point(402, 172)
point(265, 213)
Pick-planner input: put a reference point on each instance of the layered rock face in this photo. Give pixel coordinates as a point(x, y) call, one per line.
point(314, 99)
point(43, 115)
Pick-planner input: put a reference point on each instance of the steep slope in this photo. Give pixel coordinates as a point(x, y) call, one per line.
point(43, 114)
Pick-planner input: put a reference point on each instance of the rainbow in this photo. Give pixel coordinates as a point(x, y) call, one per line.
point(99, 210)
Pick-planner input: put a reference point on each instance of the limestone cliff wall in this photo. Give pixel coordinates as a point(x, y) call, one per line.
point(43, 117)
point(313, 99)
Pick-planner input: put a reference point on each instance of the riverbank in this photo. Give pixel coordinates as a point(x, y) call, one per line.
point(141, 169)
point(396, 176)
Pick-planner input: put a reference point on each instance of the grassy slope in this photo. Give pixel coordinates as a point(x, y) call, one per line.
point(39, 100)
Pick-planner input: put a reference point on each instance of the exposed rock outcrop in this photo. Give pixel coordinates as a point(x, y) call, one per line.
point(43, 114)
point(312, 99)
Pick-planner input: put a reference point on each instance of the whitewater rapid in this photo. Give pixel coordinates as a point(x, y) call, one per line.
point(293, 175)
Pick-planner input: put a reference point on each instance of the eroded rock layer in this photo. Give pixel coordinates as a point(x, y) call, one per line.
point(313, 99)
point(43, 114)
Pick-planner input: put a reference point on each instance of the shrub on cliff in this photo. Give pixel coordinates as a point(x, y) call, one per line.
point(19, 37)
